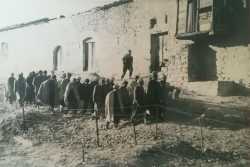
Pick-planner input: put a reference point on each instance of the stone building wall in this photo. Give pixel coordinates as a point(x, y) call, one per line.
point(125, 25)
point(31, 48)
point(117, 29)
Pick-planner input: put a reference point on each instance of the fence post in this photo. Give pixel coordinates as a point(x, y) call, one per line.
point(201, 133)
point(156, 123)
point(134, 130)
point(156, 128)
point(83, 152)
point(24, 126)
point(97, 131)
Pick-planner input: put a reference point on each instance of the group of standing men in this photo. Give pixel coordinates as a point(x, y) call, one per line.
point(25, 89)
point(101, 96)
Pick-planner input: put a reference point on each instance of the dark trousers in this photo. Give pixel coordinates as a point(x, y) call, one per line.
point(125, 69)
point(155, 111)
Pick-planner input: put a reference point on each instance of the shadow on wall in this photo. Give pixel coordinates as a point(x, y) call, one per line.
point(202, 62)
point(230, 88)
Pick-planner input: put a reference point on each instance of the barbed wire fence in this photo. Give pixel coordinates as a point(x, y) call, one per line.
point(199, 119)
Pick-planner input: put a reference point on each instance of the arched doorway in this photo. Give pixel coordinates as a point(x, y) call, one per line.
point(88, 54)
point(57, 57)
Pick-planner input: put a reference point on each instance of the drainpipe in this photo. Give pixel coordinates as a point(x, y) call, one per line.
point(177, 19)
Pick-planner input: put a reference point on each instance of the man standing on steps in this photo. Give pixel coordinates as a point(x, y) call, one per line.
point(127, 64)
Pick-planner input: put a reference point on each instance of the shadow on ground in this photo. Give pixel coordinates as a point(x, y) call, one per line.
point(183, 153)
point(198, 113)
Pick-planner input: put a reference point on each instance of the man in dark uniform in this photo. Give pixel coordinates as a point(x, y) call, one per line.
point(108, 87)
point(127, 64)
point(86, 95)
point(139, 99)
point(20, 88)
point(29, 90)
point(99, 97)
point(45, 75)
point(11, 87)
point(71, 96)
point(125, 99)
point(62, 88)
point(37, 81)
point(52, 90)
point(154, 96)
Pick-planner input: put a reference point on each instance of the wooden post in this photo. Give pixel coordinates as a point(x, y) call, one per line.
point(156, 124)
point(134, 130)
point(156, 129)
point(201, 133)
point(83, 153)
point(24, 126)
point(97, 131)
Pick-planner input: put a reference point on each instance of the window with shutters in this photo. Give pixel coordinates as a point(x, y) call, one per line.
point(202, 18)
point(194, 18)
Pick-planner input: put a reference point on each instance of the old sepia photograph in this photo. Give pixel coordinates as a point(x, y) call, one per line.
point(124, 83)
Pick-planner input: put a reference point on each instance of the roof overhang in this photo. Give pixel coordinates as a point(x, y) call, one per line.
point(192, 35)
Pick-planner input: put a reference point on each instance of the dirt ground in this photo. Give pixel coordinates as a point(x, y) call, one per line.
point(193, 134)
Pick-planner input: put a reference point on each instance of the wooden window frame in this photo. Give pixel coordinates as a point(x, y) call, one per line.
point(196, 30)
point(197, 14)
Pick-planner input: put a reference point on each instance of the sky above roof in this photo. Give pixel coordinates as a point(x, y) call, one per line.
point(18, 11)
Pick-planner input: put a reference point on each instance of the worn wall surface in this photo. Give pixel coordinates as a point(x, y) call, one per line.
point(31, 48)
point(116, 29)
point(127, 26)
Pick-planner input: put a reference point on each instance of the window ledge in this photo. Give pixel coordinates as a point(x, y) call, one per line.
point(192, 35)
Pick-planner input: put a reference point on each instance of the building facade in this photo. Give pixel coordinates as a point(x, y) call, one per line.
point(196, 43)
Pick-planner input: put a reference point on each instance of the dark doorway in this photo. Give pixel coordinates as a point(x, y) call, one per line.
point(201, 62)
point(158, 51)
point(88, 54)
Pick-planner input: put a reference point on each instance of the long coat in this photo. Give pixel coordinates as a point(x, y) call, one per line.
point(44, 93)
point(20, 88)
point(71, 96)
point(112, 106)
point(11, 89)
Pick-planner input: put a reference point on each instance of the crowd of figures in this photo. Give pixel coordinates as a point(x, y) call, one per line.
point(102, 97)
